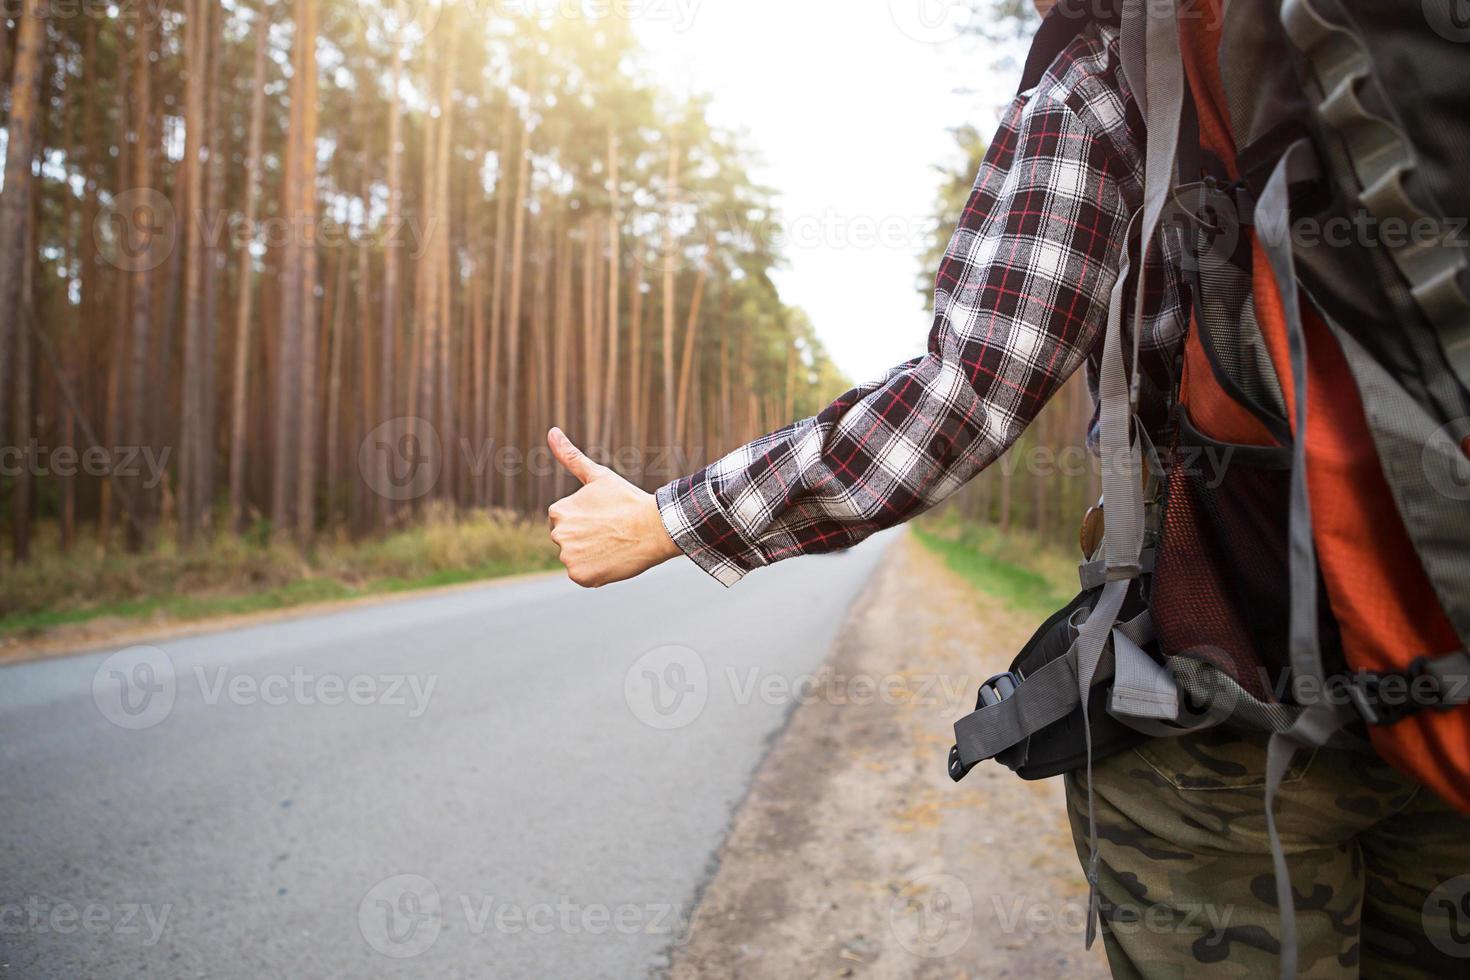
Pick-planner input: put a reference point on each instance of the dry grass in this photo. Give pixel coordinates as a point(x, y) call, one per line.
point(230, 574)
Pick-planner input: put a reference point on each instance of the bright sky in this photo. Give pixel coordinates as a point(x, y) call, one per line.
point(848, 104)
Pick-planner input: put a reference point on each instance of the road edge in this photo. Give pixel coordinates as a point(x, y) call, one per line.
point(846, 624)
point(148, 633)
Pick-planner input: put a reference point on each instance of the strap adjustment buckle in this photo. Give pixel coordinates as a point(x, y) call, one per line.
point(997, 689)
point(992, 692)
point(1389, 697)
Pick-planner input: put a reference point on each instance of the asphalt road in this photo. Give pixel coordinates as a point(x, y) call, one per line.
point(517, 780)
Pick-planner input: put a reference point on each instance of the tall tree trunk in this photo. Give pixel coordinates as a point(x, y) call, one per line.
point(724, 386)
point(366, 369)
point(121, 316)
point(539, 485)
point(240, 391)
point(637, 397)
point(15, 200)
point(336, 339)
point(478, 340)
point(444, 259)
point(589, 327)
point(691, 338)
point(309, 310)
point(71, 365)
point(94, 333)
point(421, 319)
point(214, 262)
point(503, 197)
point(286, 400)
point(387, 340)
point(24, 489)
point(196, 46)
point(670, 192)
point(142, 250)
point(788, 404)
point(513, 307)
point(614, 238)
point(561, 344)
point(5, 47)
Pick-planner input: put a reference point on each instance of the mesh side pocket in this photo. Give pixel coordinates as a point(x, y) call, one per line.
point(1220, 589)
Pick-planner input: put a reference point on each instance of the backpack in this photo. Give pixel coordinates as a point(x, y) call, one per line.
point(1308, 155)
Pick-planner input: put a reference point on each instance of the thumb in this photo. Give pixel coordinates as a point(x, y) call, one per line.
point(568, 455)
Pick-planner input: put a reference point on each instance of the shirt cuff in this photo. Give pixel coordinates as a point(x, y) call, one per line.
point(703, 530)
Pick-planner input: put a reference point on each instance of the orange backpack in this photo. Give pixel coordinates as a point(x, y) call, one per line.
point(1383, 433)
point(1300, 561)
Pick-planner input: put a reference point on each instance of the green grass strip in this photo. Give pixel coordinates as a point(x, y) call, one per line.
point(985, 561)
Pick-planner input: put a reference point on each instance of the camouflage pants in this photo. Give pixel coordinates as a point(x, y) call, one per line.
point(1380, 866)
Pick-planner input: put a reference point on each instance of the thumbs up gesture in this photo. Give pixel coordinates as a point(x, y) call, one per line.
point(609, 530)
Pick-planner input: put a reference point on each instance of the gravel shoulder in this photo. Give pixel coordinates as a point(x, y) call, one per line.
point(854, 855)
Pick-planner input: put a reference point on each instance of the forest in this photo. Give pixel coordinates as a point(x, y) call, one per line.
point(291, 290)
point(255, 258)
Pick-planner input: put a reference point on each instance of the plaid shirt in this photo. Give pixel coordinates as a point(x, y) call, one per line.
point(1020, 302)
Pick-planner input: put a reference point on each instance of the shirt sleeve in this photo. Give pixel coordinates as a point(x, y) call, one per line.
point(1020, 299)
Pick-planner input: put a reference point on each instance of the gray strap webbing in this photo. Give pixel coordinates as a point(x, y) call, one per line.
point(1042, 698)
point(1139, 629)
point(1274, 215)
point(1090, 642)
point(1142, 687)
point(1094, 574)
point(1319, 720)
point(1315, 726)
point(1120, 456)
point(1161, 98)
point(1131, 40)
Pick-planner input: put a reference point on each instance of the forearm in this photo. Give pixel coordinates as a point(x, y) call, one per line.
point(875, 458)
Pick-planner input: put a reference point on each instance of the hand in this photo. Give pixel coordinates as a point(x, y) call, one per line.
point(609, 530)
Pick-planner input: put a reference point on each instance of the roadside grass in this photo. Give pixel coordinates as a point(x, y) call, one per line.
point(1028, 575)
point(233, 575)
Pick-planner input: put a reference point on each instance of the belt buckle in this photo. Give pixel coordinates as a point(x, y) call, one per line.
point(996, 689)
